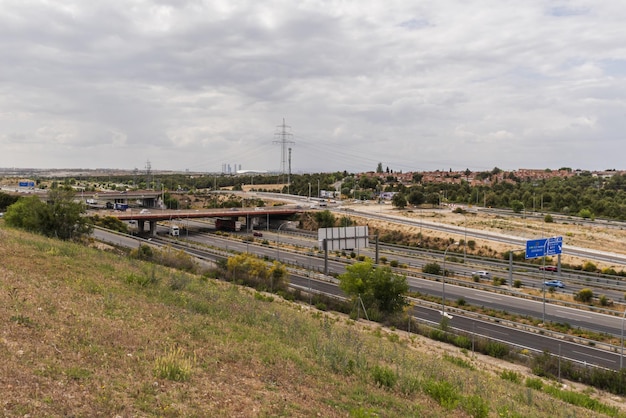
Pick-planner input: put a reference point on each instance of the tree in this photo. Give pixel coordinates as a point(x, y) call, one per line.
point(325, 219)
point(517, 206)
point(7, 200)
point(399, 200)
point(66, 220)
point(416, 197)
point(378, 287)
point(26, 214)
point(59, 217)
point(379, 168)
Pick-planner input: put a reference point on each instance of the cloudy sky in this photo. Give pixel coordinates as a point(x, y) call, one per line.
point(414, 85)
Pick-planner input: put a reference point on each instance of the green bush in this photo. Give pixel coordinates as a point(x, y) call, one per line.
point(511, 376)
point(443, 392)
point(590, 267)
point(604, 301)
point(384, 376)
point(496, 349)
point(498, 281)
point(534, 383)
point(432, 268)
point(584, 295)
point(475, 406)
point(517, 283)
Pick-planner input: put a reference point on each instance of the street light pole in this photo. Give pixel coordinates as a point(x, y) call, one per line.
point(621, 358)
point(443, 281)
point(278, 240)
point(465, 240)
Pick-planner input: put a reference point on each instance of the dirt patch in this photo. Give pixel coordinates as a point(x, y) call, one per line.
point(597, 237)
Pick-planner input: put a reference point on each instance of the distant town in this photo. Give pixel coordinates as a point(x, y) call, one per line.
point(474, 178)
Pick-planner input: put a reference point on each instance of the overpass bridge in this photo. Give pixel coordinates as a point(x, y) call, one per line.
point(156, 215)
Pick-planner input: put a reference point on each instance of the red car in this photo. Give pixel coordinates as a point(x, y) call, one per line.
point(257, 234)
point(549, 268)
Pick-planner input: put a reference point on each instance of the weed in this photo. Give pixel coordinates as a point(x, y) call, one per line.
point(384, 377)
point(174, 365)
point(511, 376)
point(443, 392)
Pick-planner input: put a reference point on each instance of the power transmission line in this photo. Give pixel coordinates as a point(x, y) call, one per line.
point(284, 138)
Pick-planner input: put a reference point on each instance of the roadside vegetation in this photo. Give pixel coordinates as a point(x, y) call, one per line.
point(88, 332)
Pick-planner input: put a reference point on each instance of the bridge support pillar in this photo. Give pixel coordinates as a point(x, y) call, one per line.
point(153, 225)
point(141, 225)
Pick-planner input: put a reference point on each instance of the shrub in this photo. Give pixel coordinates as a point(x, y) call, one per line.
point(584, 295)
point(548, 219)
point(534, 383)
point(498, 281)
point(511, 376)
point(443, 393)
point(475, 406)
point(517, 283)
point(432, 268)
point(590, 267)
point(384, 376)
point(394, 263)
point(604, 301)
point(496, 349)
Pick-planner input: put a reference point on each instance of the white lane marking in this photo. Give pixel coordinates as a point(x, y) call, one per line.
point(483, 296)
point(569, 313)
point(589, 355)
point(493, 331)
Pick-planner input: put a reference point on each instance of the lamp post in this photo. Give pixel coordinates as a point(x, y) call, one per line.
point(309, 191)
point(443, 281)
point(465, 240)
point(621, 358)
point(278, 240)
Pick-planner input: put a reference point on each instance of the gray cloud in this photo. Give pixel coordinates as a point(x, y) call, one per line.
point(196, 84)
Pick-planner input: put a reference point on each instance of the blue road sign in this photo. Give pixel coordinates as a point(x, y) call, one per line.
point(544, 246)
point(554, 246)
point(536, 248)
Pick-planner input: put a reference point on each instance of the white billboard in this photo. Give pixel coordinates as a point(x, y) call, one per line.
point(343, 238)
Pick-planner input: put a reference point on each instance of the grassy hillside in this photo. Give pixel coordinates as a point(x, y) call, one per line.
point(92, 333)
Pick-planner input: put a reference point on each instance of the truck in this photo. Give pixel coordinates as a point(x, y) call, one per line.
point(174, 230)
point(222, 224)
point(120, 206)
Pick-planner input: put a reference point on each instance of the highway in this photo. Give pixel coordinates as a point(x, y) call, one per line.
point(277, 248)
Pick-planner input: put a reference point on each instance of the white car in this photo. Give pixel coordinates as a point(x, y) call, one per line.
point(482, 274)
point(144, 211)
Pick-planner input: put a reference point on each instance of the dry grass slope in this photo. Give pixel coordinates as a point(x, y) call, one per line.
point(93, 333)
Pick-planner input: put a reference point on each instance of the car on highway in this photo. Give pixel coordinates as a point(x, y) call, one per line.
point(257, 234)
point(482, 274)
point(554, 283)
point(549, 268)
